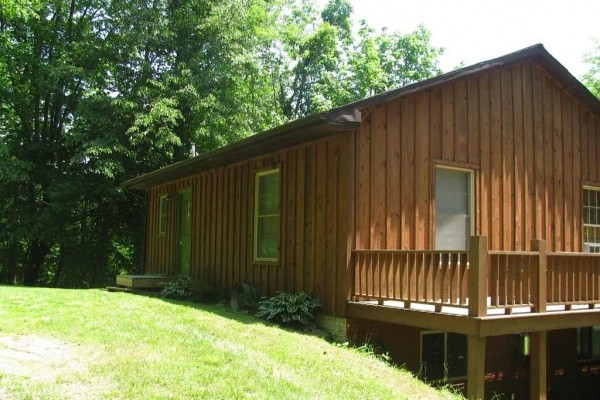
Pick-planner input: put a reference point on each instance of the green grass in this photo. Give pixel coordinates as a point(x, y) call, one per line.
point(123, 346)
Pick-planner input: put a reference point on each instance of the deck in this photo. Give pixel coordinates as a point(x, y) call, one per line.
point(479, 291)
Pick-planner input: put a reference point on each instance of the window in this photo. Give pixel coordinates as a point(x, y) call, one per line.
point(266, 216)
point(162, 214)
point(443, 356)
point(453, 208)
point(591, 219)
point(588, 343)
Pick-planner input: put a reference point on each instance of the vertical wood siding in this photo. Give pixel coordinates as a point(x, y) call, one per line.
point(530, 144)
point(313, 232)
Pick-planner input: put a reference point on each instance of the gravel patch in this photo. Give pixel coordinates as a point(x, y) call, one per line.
point(56, 365)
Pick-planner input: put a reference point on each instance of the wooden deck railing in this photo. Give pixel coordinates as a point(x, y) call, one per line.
point(478, 279)
point(573, 278)
point(436, 277)
point(512, 278)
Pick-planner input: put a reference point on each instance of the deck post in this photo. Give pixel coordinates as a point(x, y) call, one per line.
point(351, 261)
point(475, 367)
point(537, 369)
point(539, 285)
point(478, 274)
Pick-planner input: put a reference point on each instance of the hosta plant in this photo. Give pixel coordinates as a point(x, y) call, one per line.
point(296, 310)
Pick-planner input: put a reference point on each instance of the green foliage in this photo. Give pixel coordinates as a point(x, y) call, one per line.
point(93, 93)
point(324, 66)
point(248, 298)
point(387, 60)
point(370, 349)
point(189, 289)
point(296, 310)
point(592, 78)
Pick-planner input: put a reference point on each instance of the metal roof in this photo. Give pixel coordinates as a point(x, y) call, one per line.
point(347, 118)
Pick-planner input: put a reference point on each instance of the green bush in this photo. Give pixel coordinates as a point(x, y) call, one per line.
point(189, 289)
point(245, 297)
point(295, 310)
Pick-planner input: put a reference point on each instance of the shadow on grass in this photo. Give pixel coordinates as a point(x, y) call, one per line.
point(222, 309)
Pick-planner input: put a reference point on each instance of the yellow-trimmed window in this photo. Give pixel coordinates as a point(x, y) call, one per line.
point(266, 216)
point(162, 214)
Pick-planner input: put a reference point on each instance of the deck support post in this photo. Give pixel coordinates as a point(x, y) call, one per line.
point(537, 371)
point(539, 294)
point(476, 367)
point(478, 275)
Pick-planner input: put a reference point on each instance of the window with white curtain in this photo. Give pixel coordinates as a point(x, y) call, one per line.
point(453, 208)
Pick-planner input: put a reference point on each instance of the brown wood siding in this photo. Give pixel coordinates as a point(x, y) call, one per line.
point(531, 145)
point(315, 183)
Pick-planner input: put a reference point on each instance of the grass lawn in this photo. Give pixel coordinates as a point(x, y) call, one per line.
point(89, 344)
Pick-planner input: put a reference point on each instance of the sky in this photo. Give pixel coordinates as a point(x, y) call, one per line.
point(472, 31)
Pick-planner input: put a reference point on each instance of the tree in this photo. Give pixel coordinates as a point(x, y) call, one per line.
point(384, 61)
point(94, 92)
point(327, 66)
point(592, 78)
point(46, 73)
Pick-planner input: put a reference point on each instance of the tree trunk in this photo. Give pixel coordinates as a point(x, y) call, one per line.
point(9, 271)
point(59, 267)
point(100, 263)
point(37, 255)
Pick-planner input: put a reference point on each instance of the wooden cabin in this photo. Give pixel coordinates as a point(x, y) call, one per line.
point(453, 222)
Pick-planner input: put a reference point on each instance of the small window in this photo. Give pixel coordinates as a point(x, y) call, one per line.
point(266, 216)
point(591, 219)
point(588, 343)
point(443, 356)
point(162, 214)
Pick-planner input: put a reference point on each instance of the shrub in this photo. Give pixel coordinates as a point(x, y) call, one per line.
point(189, 289)
point(245, 297)
point(289, 309)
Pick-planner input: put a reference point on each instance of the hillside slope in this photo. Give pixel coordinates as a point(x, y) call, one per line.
point(94, 344)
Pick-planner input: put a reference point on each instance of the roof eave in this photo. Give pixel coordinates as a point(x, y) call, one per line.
point(253, 146)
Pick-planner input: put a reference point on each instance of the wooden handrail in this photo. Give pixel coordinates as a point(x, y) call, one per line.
point(512, 253)
point(479, 278)
point(363, 251)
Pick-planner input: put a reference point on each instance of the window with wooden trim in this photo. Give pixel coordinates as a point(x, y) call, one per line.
point(443, 356)
point(266, 216)
point(591, 219)
point(162, 214)
point(454, 203)
point(588, 343)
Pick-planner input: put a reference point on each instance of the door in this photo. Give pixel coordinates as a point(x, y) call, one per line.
point(184, 232)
